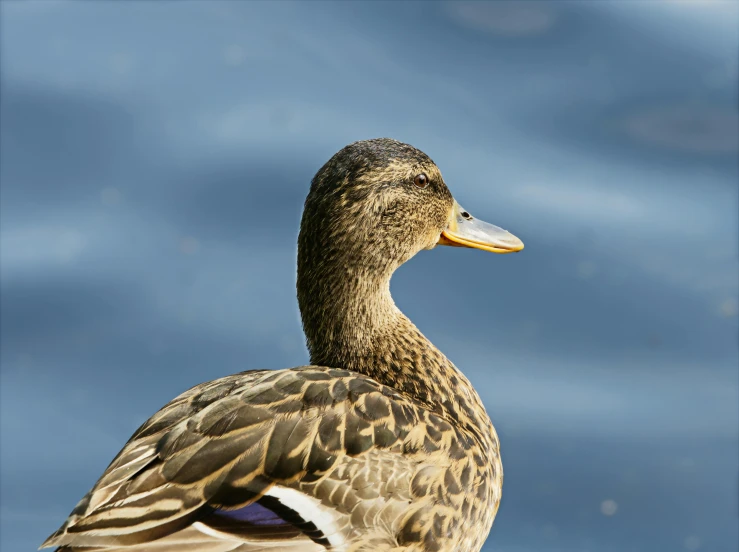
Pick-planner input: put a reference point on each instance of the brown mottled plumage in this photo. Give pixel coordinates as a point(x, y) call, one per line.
point(382, 444)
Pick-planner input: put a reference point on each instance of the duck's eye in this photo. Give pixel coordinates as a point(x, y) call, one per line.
point(421, 180)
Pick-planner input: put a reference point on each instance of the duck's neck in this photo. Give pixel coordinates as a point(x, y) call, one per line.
point(351, 321)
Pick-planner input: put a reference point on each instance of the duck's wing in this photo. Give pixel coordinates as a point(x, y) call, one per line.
point(300, 460)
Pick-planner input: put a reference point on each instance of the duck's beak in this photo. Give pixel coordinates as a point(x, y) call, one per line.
point(464, 230)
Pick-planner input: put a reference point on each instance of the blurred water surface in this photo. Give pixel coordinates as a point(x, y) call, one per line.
point(155, 157)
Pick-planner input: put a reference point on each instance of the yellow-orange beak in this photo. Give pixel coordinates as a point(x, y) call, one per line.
point(466, 231)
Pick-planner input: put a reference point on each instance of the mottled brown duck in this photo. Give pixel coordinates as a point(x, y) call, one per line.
point(381, 444)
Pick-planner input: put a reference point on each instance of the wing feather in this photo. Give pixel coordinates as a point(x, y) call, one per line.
point(358, 452)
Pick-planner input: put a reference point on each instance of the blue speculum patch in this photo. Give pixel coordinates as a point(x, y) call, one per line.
point(254, 513)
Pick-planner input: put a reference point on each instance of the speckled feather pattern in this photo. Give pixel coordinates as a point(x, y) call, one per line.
point(384, 433)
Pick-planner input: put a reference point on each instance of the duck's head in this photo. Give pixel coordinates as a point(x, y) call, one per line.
point(376, 203)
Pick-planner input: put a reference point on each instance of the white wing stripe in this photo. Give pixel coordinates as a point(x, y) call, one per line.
point(311, 509)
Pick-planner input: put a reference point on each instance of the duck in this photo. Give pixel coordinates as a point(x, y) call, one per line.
point(380, 444)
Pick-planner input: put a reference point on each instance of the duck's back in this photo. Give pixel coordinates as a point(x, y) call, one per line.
point(303, 459)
